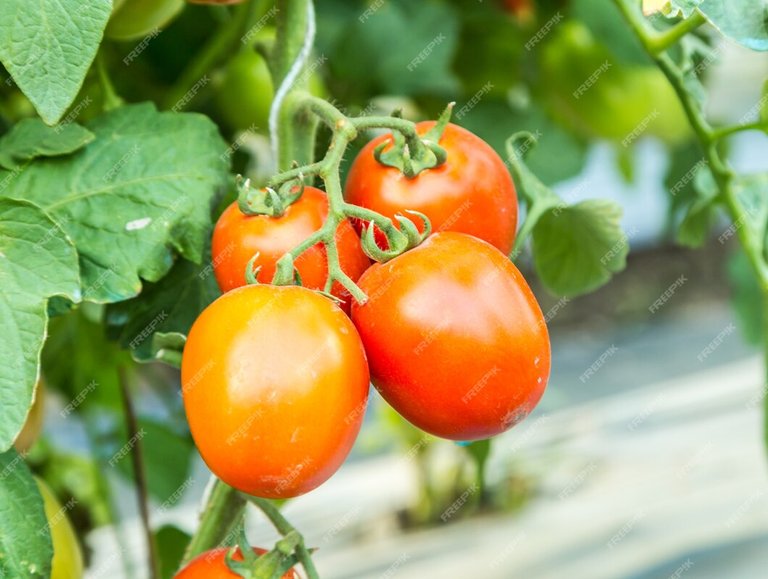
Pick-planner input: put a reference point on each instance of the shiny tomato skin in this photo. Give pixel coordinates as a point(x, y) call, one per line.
point(237, 237)
point(472, 192)
point(456, 341)
point(275, 385)
point(213, 565)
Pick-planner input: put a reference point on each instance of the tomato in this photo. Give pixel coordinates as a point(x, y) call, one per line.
point(132, 19)
point(34, 423)
point(213, 565)
point(244, 95)
point(600, 97)
point(455, 339)
point(238, 237)
point(472, 192)
point(67, 556)
point(275, 384)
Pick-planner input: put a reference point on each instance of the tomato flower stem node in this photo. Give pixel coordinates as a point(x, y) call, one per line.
point(411, 153)
point(269, 201)
point(399, 240)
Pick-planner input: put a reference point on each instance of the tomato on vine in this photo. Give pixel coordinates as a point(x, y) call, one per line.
point(213, 565)
point(275, 385)
point(238, 237)
point(471, 192)
point(455, 339)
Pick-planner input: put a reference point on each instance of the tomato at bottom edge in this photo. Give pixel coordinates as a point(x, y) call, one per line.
point(213, 565)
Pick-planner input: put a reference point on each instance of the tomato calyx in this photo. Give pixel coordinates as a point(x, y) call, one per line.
point(413, 154)
point(268, 201)
point(273, 564)
point(399, 240)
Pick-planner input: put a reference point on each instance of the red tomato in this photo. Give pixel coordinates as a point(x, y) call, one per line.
point(455, 339)
point(213, 565)
point(472, 192)
point(238, 237)
point(275, 384)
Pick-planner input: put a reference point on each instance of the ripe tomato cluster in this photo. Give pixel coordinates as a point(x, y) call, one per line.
point(276, 378)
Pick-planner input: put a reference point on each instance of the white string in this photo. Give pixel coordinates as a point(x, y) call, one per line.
point(291, 77)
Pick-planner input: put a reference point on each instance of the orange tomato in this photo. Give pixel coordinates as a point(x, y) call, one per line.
point(213, 565)
point(275, 385)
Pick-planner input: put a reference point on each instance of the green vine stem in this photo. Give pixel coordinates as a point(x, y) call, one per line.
point(285, 528)
point(221, 516)
point(291, 128)
point(751, 240)
point(345, 130)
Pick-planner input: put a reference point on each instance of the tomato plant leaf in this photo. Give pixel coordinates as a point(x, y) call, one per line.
point(140, 190)
point(577, 248)
point(25, 540)
point(48, 48)
point(169, 306)
point(37, 261)
point(31, 138)
point(746, 21)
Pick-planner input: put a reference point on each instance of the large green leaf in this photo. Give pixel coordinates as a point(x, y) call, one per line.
point(37, 261)
point(25, 544)
point(142, 189)
point(31, 138)
point(48, 47)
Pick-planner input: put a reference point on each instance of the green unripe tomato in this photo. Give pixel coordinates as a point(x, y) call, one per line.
point(132, 19)
point(602, 98)
point(245, 94)
point(67, 557)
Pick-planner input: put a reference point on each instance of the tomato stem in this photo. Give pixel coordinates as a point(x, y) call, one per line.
point(139, 473)
point(221, 517)
point(285, 528)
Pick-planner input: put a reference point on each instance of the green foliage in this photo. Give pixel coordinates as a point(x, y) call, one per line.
point(129, 199)
point(25, 538)
point(38, 261)
point(32, 138)
point(171, 543)
point(576, 248)
point(49, 48)
point(742, 21)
